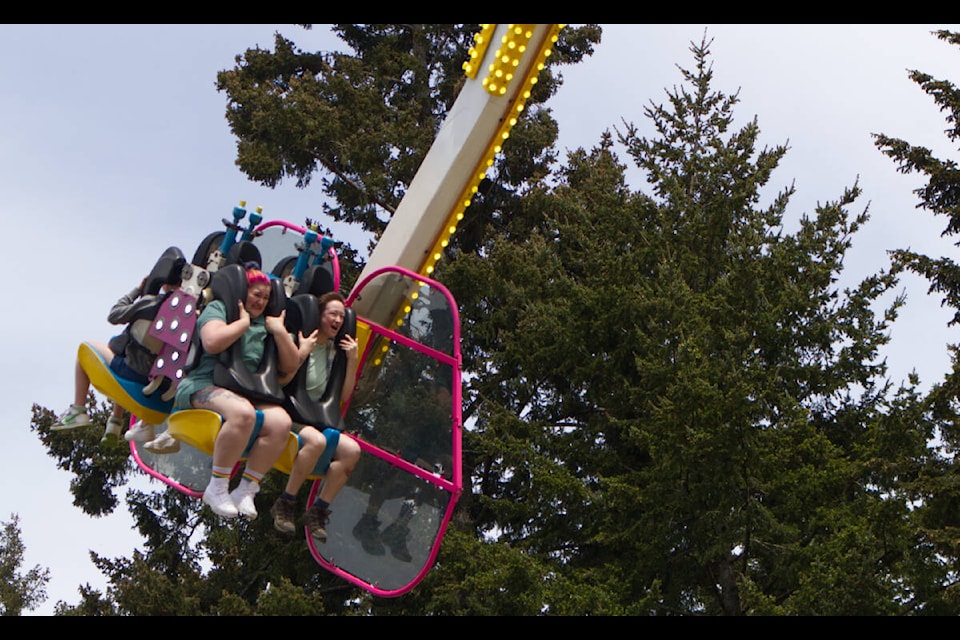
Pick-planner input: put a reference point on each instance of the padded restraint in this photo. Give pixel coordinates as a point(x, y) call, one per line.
point(229, 285)
point(243, 252)
point(208, 245)
point(284, 264)
point(303, 315)
point(167, 270)
point(317, 279)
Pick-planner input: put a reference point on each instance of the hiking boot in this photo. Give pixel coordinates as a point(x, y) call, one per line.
point(163, 443)
point(71, 419)
point(395, 537)
point(139, 432)
point(111, 436)
point(217, 497)
point(243, 497)
point(284, 513)
point(317, 519)
point(367, 531)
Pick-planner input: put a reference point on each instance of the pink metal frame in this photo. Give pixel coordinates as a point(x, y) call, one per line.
point(456, 486)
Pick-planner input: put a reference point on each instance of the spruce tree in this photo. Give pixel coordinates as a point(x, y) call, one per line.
point(361, 120)
point(19, 592)
point(937, 517)
point(682, 411)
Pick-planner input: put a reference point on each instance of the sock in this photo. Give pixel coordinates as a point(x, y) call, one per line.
point(216, 484)
point(288, 496)
point(221, 473)
point(323, 505)
point(252, 476)
point(250, 483)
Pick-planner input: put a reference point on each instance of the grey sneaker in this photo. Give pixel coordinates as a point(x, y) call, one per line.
point(284, 513)
point(71, 419)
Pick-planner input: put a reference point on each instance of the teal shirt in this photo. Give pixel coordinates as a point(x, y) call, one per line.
point(251, 349)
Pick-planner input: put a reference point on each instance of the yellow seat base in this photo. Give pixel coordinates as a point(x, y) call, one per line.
point(125, 395)
point(195, 427)
point(199, 429)
point(284, 463)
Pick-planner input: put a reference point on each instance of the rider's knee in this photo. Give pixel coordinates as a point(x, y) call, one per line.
point(348, 452)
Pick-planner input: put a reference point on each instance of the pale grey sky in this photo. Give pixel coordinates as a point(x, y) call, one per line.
point(113, 146)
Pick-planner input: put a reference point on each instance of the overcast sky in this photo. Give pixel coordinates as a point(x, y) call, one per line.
point(114, 146)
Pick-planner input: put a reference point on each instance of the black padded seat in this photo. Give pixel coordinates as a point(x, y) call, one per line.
point(229, 285)
point(303, 316)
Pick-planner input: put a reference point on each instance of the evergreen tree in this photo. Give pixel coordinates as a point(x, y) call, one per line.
point(18, 592)
point(363, 120)
point(938, 520)
point(682, 412)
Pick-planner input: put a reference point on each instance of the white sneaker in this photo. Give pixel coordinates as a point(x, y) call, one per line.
point(243, 498)
point(163, 443)
point(72, 418)
point(218, 499)
point(139, 432)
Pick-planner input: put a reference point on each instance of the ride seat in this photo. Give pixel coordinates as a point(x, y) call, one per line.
point(229, 285)
point(317, 279)
point(303, 316)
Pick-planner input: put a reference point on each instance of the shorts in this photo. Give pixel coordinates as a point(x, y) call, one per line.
point(119, 366)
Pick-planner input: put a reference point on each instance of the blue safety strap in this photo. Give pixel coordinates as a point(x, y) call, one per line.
point(256, 432)
point(332, 437)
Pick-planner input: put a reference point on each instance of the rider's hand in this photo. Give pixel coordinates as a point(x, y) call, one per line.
point(307, 343)
point(244, 314)
point(349, 344)
point(275, 324)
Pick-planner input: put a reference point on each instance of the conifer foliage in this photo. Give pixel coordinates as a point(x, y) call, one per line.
point(938, 521)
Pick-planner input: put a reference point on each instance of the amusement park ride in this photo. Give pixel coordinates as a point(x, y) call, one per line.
point(405, 410)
